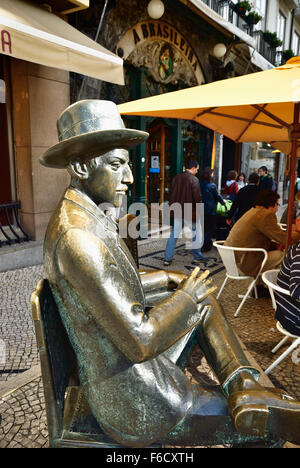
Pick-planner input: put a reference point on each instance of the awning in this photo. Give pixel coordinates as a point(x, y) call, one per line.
point(30, 32)
point(258, 60)
point(251, 54)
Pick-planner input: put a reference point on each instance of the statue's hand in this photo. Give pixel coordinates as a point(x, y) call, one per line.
point(197, 286)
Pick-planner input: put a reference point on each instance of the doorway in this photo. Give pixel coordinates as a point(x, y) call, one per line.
point(5, 176)
point(193, 137)
point(158, 168)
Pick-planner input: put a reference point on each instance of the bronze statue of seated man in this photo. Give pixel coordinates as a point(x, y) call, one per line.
point(128, 356)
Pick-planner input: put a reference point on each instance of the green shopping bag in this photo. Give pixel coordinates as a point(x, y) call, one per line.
point(221, 210)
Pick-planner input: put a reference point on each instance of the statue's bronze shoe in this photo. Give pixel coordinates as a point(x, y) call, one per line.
point(266, 412)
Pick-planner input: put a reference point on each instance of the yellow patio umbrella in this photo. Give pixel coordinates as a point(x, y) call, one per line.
point(262, 106)
point(285, 147)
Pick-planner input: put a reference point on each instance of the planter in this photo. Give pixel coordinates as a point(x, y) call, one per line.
point(242, 8)
point(272, 39)
point(287, 54)
point(253, 18)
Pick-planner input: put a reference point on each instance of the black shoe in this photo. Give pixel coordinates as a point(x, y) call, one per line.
point(206, 249)
point(167, 262)
point(262, 292)
point(198, 262)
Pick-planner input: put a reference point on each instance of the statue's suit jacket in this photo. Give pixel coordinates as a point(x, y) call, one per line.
point(126, 356)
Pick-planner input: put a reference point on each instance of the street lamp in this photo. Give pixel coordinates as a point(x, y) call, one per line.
point(219, 50)
point(155, 9)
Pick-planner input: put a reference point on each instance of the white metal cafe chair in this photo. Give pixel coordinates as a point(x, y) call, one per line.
point(227, 255)
point(283, 226)
point(270, 279)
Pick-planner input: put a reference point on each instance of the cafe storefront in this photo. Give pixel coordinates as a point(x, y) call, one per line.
point(160, 55)
point(46, 62)
point(162, 59)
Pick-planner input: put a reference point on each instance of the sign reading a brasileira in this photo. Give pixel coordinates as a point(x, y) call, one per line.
point(164, 50)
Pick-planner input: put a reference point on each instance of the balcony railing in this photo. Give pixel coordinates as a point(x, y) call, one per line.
point(226, 9)
point(264, 48)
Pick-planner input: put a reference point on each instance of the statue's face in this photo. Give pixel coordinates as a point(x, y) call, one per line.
point(109, 177)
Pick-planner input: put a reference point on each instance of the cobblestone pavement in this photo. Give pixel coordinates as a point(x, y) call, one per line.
point(16, 326)
point(23, 415)
point(22, 412)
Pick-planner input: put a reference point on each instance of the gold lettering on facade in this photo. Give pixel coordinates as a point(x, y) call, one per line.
point(164, 31)
point(164, 51)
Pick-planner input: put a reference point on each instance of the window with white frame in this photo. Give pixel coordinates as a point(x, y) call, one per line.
point(281, 26)
point(224, 9)
point(295, 43)
point(260, 6)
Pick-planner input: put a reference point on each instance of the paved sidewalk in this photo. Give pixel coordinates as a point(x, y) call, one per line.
point(22, 413)
point(16, 326)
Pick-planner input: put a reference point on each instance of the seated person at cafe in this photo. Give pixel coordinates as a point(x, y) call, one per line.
point(288, 307)
point(258, 228)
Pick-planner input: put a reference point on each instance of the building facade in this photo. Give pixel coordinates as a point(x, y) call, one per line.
point(191, 43)
point(37, 48)
point(200, 42)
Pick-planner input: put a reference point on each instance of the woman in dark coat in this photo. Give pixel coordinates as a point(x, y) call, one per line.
point(210, 198)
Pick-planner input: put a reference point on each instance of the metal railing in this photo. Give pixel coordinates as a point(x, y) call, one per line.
point(226, 9)
point(11, 231)
point(264, 48)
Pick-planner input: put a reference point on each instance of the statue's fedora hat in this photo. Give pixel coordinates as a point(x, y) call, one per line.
point(87, 129)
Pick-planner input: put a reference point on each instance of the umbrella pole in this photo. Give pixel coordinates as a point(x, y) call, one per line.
point(293, 162)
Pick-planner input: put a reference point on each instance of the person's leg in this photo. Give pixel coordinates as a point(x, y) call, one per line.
point(207, 237)
point(172, 241)
point(209, 231)
point(197, 254)
point(274, 260)
point(197, 241)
